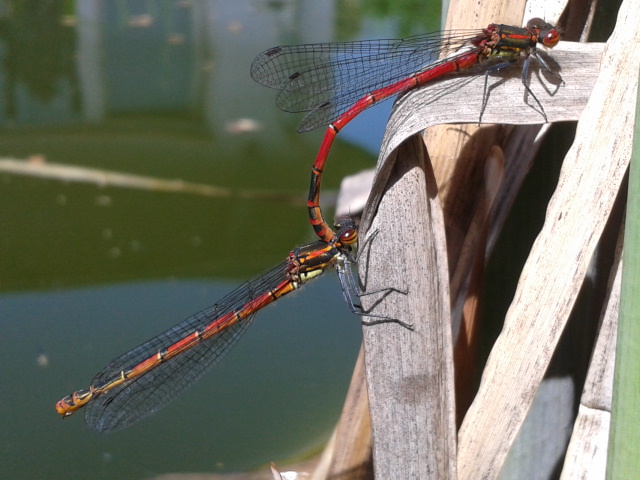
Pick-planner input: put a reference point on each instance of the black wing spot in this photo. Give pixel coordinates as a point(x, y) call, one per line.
point(272, 51)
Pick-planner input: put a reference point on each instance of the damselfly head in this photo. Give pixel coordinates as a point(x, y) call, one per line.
point(547, 34)
point(347, 230)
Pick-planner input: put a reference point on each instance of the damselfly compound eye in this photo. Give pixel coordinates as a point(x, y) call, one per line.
point(348, 236)
point(550, 38)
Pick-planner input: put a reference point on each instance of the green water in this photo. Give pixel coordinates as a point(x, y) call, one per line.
point(89, 271)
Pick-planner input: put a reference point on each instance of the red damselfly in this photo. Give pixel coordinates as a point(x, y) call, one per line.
point(147, 378)
point(335, 82)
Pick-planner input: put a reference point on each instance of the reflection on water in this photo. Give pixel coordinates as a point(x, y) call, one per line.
point(161, 90)
point(30, 65)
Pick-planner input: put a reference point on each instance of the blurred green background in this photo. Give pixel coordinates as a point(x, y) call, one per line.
point(88, 270)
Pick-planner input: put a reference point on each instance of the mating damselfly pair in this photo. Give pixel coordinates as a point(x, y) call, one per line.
point(334, 82)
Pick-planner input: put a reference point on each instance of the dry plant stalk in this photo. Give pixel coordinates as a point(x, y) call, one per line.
point(591, 178)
